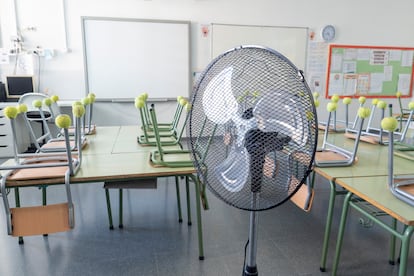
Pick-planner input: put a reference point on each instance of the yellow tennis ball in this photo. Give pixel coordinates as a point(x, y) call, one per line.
point(335, 98)
point(374, 101)
point(411, 106)
point(54, 98)
point(92, 97)
point(347, 100)
point(10, 112)
point(179, 98)
point(389, 123)
point(187, 106)
point(145, 94)
point(86, 101)
point(382, 104)
point(315, 95)
point(316, 102)
point(47, 101)
point(78, 110)
point(309, 115)
point(140, 103)
point(37, 103)
point(22, 108)
point(183, 101)
point(63, 121)
point(362, 99)
point(331, 106)
point(398, 94)
point(76, 103)
point(364, 112)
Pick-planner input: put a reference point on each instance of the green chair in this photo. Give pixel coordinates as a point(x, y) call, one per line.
point(169, 133)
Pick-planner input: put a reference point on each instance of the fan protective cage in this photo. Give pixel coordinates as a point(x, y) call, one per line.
point(252, 128)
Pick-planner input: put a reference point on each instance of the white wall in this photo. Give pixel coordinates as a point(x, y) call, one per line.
point(368, 22)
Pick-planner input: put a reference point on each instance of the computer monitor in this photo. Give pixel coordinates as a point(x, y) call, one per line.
point(18, 85)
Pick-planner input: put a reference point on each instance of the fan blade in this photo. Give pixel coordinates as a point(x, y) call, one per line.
point(234, 170)
point(219, 104)
point(271, 119)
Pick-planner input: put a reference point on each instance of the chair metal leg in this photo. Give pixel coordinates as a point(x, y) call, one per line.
point(187, 189)
point(177, 190)
point(108, 206)
point(17, 199)
point(121, 204)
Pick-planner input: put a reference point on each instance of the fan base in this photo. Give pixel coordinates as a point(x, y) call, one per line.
point(250, 271)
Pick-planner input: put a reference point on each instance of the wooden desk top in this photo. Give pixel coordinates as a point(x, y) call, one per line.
point(375, 191)
point(113, 154)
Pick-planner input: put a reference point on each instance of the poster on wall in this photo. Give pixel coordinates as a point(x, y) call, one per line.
point(369, 71)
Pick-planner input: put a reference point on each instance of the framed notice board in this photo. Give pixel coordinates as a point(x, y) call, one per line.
point(369, 71)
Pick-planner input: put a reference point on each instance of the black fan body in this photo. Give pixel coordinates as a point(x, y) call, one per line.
point(253, 131)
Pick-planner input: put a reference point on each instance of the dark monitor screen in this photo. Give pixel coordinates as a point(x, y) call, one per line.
point(18, 85)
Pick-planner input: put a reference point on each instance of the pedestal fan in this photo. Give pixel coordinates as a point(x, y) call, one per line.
point(254, 121)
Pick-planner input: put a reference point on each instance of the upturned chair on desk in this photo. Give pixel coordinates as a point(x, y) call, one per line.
point(169, 133)
point(49, 142)
point(331, 155)
point(39, 169)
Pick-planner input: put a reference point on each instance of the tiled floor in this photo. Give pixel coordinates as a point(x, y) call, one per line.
point(152, 241)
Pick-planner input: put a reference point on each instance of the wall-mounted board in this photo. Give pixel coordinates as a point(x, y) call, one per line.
point(125, 57)
point(369, 71)
point(289, 41)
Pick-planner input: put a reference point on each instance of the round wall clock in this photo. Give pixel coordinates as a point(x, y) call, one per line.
point(328, 33)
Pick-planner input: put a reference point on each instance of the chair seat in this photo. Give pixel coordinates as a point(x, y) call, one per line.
point(328, 155)
point(38, 220)
point(366, 138)
point(303, 198)
point(60, 145)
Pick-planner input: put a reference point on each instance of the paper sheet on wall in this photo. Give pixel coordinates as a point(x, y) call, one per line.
point(4, 56)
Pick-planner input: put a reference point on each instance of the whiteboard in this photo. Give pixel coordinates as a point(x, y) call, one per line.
point(289, 41)
point(126, 57)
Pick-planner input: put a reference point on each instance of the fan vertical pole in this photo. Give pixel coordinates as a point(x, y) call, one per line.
point(251, 267)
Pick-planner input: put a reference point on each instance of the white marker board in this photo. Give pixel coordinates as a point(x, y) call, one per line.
point(289, 41)
point(126, 57)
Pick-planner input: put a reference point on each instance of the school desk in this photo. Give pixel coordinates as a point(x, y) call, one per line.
point(372, 161)
point(113, 155)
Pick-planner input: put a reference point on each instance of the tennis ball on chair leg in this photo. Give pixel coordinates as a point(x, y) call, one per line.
point(10, 112)
point(63, 121)
point(389, 123)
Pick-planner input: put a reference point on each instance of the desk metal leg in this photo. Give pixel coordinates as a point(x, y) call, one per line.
point(391, 260)
point(405, 246)
point(187, 190)
point(121, 209)
point(199, 223)
point(177, 191)
point(328, 225)
point(108, 206)
point(341, 232)
point(405, 237)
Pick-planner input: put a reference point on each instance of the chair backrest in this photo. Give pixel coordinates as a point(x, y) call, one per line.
point(52, 109)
